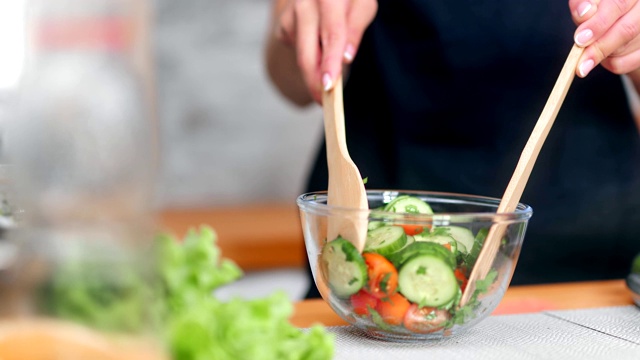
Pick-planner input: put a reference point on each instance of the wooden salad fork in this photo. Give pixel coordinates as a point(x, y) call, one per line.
point(516, 185)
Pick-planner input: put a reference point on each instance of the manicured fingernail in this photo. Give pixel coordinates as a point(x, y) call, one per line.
point(583, 37)
point(348, 53)
point(327, 82)
point(584, 8)
point(585, 67)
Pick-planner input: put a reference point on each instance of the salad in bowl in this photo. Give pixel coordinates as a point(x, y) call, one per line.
point(420, 248)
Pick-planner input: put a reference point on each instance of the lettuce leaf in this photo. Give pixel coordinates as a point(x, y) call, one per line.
point(199, 326)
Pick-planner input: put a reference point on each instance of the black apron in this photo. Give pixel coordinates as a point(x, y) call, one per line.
point(443, 95)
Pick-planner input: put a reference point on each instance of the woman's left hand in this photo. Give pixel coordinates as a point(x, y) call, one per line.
point(610, 32)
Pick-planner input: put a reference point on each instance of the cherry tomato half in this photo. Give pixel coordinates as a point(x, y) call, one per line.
point(412, 229)
point(362, 301)
point(462, 279)
point(393, 309)
point(383, 276)
point(424, 320)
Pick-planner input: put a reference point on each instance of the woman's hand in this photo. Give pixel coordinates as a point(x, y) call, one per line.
point(610, 32)
point(324, 34)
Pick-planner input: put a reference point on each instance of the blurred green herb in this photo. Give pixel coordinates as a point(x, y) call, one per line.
point(105, 296)
point(474, 252)
point(483, 285)
point(439, 231)
point(635, 265)
point(467, 312)
point(5, 208)
point(377, 319)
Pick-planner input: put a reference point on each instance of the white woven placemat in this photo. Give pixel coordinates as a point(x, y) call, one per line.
point(604, 333)
point(622, 321)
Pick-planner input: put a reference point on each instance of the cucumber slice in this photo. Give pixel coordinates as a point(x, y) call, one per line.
point(474, 251)
point(410, 240)
point(408, 204)
point(462, 249)
point(462, 235)
point(385, 240)
point(344, 267)
point(418, 248)
point(428, 280)
point(372, 225)
point(439, 239)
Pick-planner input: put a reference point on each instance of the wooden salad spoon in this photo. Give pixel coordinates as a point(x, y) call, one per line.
point(346, 187)
point(516, 185)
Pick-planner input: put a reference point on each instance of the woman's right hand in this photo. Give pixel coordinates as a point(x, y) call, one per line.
point(324, 34)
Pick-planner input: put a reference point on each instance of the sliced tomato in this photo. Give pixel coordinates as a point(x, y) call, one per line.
point(412, 229)
point(393, 309)
point(424, 320)
point(362, 301)
point(462, 278)
point(383, 276)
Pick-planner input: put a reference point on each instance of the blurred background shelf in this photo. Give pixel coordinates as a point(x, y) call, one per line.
point(256, 237)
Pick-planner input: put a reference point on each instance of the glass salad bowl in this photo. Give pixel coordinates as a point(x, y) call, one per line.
point(420, 248)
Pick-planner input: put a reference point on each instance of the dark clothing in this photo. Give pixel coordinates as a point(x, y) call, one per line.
point(443, 95)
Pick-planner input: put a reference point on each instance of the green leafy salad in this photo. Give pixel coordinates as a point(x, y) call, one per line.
point(194, 324)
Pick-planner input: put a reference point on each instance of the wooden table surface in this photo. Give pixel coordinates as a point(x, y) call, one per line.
point(518, 299)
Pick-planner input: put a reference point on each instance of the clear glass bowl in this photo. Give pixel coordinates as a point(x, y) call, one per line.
point(476, 214)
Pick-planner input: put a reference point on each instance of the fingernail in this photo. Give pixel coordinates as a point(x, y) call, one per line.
point(585, 67)
point(583, 37)
point(584, 8)
point(348, 53)
point(327, 82)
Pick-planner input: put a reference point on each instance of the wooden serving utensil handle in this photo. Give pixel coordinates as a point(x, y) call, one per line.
point(334, 129)
point(516, 186)
point(345, 189)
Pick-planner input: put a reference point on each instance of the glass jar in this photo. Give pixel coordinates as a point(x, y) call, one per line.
point(82, 280)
